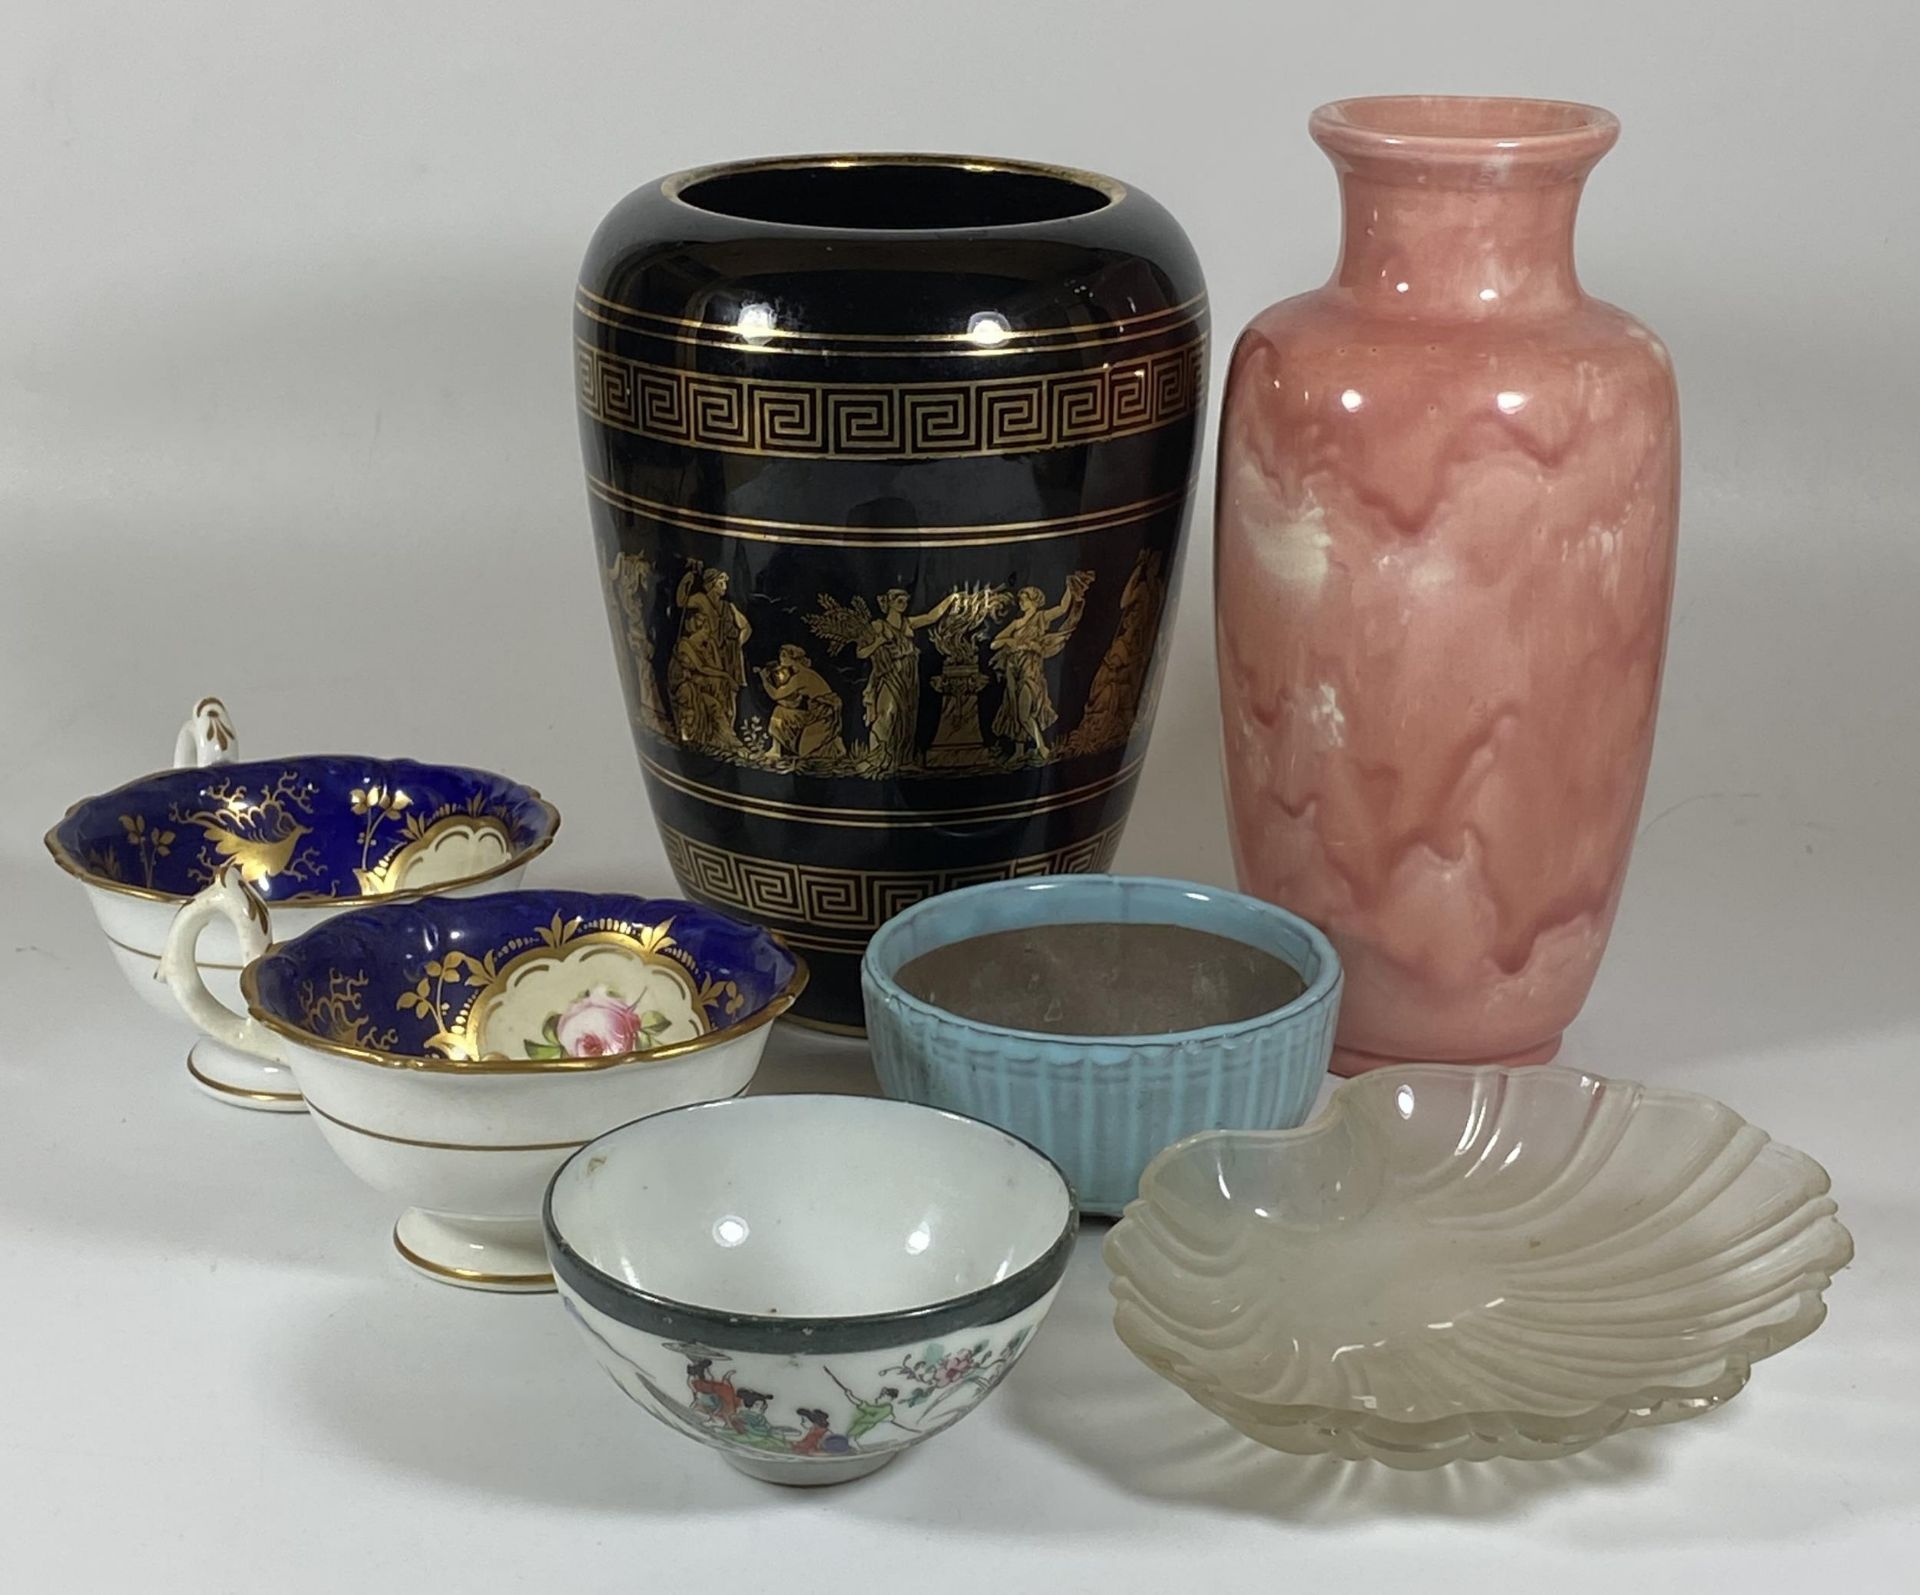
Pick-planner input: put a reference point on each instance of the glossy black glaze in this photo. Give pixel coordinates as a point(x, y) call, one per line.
point(826, 413)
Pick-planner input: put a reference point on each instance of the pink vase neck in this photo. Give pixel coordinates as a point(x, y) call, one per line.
point(1460, 208)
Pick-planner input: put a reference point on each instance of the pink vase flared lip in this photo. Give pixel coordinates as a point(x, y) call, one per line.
point(1530, 138)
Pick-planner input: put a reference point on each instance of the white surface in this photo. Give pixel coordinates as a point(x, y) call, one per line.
point(287, 414)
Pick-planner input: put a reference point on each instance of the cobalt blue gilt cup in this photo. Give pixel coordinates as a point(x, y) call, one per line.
point(312, 836)
point(453, 1051)
point(1102, 1105)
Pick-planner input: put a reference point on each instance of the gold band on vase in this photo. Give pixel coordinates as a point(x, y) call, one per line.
point(759, 339)
point(823, 534)
point(888, 819)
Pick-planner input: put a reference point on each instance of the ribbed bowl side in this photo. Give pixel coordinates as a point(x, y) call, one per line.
point(1102, 1111)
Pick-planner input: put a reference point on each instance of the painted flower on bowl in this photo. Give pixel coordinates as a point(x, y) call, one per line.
point(598, 1025)
point(939, 1369)
point(911, 1398)
point(955, 1368)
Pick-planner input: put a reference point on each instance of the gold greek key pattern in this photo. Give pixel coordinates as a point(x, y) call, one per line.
point(847, 899)
point(880, 420)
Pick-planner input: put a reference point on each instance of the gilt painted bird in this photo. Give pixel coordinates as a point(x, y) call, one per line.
point(261, 842)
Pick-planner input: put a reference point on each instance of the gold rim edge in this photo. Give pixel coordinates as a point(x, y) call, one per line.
point(241, 1092)
point(778, 1004)
point(675, 184)
point(470, 1276)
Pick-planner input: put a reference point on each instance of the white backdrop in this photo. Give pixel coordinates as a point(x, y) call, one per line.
point(286, 414)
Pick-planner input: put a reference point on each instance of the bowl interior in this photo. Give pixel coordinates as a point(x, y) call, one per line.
point(1178, 989)
point(312, 828)
point(809, 1206)
point(521, 976)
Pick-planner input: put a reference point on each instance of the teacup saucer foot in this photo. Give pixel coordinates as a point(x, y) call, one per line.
point(1349, 1061)
point(497, 1254)
point(241, 1081)
point(806, 1472)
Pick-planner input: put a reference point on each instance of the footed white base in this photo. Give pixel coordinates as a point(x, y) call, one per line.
point(243, 1081)
point(499, 1254)
point(806, 1471)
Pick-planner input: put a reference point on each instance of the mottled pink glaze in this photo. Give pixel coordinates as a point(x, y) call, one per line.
point(1448, 490)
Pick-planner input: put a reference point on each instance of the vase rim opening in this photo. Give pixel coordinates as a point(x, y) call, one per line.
point(902, 192)
point(1464, 127)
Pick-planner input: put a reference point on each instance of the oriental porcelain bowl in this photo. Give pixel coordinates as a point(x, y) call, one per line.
point(1462, 1263)
point(311, 835)
point(1208, 1049)
point(808, 1327)
point(454, 1050)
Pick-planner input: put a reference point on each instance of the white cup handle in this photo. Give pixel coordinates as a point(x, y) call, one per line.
point(227, 898)
point(207, 738)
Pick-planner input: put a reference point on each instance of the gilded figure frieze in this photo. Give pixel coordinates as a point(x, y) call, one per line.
point(845, 697)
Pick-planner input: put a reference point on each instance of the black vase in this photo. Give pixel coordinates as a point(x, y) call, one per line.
point(889, 459)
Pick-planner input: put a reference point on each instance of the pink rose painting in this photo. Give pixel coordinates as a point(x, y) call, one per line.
point(598, 1025)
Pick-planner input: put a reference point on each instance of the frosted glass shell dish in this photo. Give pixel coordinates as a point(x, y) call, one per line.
point(1456, 1264)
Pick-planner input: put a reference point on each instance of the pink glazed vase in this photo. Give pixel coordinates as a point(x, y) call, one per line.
point(1449, 484)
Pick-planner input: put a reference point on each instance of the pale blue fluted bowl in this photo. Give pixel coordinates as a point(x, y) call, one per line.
point(1102, 1106)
